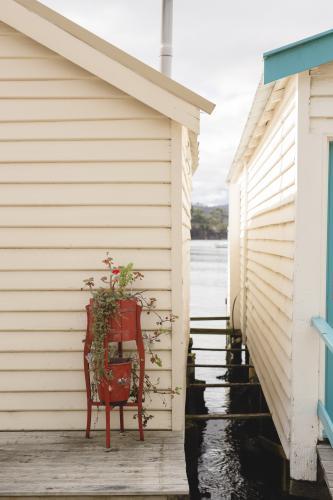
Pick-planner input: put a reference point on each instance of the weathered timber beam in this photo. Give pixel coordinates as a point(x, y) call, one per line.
point(218, 366)
point(231, 384)
point(210, 318)
point(216, 349)
point(214, 331)
point(228, 416)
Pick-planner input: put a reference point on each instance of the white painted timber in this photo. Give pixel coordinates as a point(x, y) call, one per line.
point(266, 221)
point(84, 169)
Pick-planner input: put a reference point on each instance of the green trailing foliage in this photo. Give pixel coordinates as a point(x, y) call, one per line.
point(118, 285)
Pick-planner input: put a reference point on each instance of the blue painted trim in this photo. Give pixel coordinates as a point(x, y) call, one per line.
point(299, 56)
point(326, 421)
point(325, 331)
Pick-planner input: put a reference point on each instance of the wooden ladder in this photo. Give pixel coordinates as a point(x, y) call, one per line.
point(221, 331)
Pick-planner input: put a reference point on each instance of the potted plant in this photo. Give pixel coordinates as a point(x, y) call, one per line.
point(113, 316)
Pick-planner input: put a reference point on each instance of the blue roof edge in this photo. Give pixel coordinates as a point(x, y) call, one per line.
point(298, 56)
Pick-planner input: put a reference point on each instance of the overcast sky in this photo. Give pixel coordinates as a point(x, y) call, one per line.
point(218, 46)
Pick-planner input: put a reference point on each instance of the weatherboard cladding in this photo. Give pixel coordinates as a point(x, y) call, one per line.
point(84, 168)
point(267, 236)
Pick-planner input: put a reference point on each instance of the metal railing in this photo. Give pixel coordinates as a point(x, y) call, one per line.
point(326, 333)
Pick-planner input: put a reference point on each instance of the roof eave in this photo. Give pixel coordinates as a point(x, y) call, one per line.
point(297, 57)
point(103, 59)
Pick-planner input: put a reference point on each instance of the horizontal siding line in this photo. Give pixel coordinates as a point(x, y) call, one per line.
point(322, 96)
point(282, 149)
point(278, 367)
point(53, 205)
point(270, 267)
point(94, 183)
point(284, 433)
point(289, 200)
point(84, 248)
point(49, 56)
point(96, 226)
point(272, 160)
point(82, 410)
point(279, 389)
point(284, 194)
point(39, 79)
point(86, 119)
point(74, 351)
point(271, 323)
point(265, 276)
point(92, 164)
point(269, 195)
point(89, 139)
point(64, 97)
point(69, 98)
point(279, 334)
point(273, 166)
point(67, 311)
point(263, 186)
point(39, 370)
point(283, 303)
point(75, 289)
point(287, 112)
point(266, 154)
point(254, 354)
point(167, 370)
point(61, 120)
point(275, 377)
point(273, 217)
point(72, 270)
point(73, 162)
point(58, 330)
point(271, 247)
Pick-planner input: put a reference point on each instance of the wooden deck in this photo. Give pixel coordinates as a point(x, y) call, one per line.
point(325, 454)
point(57, 464)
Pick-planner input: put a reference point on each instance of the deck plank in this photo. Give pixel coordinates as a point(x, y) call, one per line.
point(64, 464)
point(325, 454)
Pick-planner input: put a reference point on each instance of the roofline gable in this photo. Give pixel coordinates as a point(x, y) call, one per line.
point(299, 56)
point(106, 61)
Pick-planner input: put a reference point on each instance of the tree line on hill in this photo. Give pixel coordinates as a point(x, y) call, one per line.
point(209, 223)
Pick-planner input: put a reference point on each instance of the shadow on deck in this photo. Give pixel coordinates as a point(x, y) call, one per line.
point(63, 464)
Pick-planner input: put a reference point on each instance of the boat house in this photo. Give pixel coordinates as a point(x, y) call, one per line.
point(97, 151)
point(281, 244)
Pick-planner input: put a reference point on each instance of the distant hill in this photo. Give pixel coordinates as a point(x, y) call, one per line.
point(209, 223)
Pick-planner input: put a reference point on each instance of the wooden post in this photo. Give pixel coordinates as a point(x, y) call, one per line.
point(307, 292)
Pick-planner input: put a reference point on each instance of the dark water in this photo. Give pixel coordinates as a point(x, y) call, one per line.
point(223, 460)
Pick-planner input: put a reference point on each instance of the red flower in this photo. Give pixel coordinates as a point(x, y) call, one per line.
point(116, 271)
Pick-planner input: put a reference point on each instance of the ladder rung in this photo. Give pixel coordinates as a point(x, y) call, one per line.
point(213, 331)
point(210, 318)
point(216, 349)
point(229, 384)
point(218, 366)
point(226, 416)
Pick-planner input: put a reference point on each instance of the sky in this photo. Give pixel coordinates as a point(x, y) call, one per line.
point(218, 47)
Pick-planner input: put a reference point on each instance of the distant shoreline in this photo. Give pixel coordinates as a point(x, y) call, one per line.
point(209, 223)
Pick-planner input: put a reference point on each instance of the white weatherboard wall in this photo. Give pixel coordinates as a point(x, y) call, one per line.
point(267, 213)
point(84, 168)
point(282, 282)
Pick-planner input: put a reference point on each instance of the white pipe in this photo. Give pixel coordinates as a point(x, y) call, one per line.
point(166, 37)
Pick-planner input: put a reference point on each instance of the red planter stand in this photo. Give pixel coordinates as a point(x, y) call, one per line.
point(118, 381)
point(112, 392)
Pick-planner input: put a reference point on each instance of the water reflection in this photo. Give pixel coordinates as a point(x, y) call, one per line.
point(223, 460)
